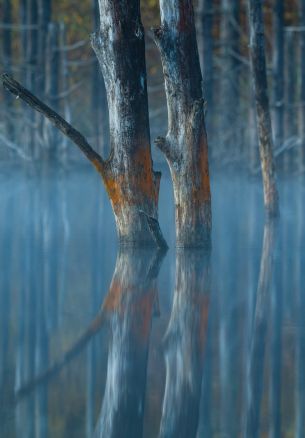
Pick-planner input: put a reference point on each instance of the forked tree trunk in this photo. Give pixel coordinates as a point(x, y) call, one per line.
point(258, 65)
point(185, 145)
point(131, 183)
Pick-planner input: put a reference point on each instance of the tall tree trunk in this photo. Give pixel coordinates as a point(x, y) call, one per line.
point(230, 48)
point(291, 159)
point(258, 66)
point(185, 146)
point(32, 58)
point(205, 46)
point(278, 72)
point(131, 183)
point(302, 78)
point(7, 59)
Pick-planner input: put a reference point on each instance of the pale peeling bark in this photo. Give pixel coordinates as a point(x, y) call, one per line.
point(258, 65)
point(185, 146)
point(131, 183)
point(185, 343)
point(130, 303)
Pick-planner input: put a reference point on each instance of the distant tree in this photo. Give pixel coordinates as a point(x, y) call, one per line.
point(185, 146)
point(302, 96)
point(258, 66)
point(278, 71)
point(230, 76)
point(7, 59)
point(205, 19)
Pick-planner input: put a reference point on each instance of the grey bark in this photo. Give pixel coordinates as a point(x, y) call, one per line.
point(185, 146)
point(258, 67)
point(132, 185)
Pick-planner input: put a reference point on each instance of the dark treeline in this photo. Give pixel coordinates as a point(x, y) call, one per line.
point(46, 45)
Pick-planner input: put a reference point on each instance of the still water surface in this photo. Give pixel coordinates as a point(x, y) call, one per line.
point(96, 342)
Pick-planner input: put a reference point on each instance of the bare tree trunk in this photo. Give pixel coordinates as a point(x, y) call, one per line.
point(291, 159)
point(302, 78)
point(185, 146)
point(278, 72)
point(258, 65)
point(32, 58)
point(131, 183)
point(52, 70)
point(7, 59)
point(230, 78)
point(205, 46)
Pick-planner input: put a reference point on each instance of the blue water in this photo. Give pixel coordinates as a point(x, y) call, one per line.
point(185, 344)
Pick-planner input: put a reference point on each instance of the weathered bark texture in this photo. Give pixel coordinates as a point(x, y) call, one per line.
point(278, 71)
point(302, 79)
point(131, 183)
point(258, 65)
point(205, 46)
point(260, 327)
point(185, 342)
point(185, 146)
point(130, 303)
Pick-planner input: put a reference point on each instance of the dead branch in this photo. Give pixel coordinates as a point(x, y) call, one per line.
point(20, 92)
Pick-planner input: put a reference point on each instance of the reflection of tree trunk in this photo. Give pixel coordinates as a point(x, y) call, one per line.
point(300, 301)
point(130, 304)
point(255, 371)
point(185, 146)
point(184, 346)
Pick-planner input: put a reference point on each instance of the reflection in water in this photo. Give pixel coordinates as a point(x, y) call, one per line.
point(259, 332)
point(185, 340)
point(59, 263)
point(130, 303)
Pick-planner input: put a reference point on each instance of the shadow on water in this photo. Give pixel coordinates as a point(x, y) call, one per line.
point(97, 342)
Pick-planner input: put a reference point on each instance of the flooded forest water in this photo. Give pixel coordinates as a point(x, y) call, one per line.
point(97, 342)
